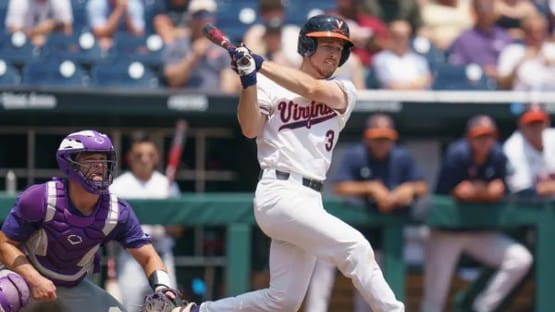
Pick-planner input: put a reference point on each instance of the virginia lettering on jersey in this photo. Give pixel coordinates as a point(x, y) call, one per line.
point(295, 116)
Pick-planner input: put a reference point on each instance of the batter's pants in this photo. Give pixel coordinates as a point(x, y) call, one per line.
point(293, 216)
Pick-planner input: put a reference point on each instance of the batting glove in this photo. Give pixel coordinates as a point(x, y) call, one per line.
point(246, 64)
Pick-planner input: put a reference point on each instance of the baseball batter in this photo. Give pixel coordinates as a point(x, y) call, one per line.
point(296, 117)
point(52, 235)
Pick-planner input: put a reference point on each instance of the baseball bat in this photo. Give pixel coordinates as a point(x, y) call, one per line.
point(176, 150)
point(217, 36)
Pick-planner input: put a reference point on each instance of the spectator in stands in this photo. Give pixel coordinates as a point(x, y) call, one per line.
point(482, 43)
point(145, 182)
point(445, 20)
point(270, 12)
point(398, 67)
point(529, 65)
point(354, 70)
point(107, 17)
point(511, 14)
point(473, 171)
point(272, 41)
point(531, 153)
point(170, 19)
point(38, 18)
point(368, 33)
point(392, 10)
point(193, 62)
point(378, 175)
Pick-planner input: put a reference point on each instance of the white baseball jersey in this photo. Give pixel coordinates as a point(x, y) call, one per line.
point(527, 165)
point(299, 135)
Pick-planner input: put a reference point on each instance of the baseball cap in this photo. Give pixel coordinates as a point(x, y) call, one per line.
point(534, 112)
point(481, 125)
point(201, 8)
point(380, 126)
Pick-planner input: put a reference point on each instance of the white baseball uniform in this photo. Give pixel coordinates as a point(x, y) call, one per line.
point(527, 165)
point(297, 144)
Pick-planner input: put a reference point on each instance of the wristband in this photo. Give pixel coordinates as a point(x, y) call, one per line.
point(248, 80)
point(159, 278)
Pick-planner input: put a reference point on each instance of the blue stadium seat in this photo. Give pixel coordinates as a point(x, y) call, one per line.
point(426, 48)
point(54, 73)
point(147, 49)
point(461, 77)
point(235, 17)
point(75, 48)
point(17, 48)
point(9, 75)
point(121, 74)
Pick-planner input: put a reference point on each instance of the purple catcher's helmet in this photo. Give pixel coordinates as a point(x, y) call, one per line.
point(86, 141)
point(14, 291)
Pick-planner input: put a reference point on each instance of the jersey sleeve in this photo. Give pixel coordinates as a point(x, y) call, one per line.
point(351, 93)
point(128, 232)
point(264, 95)
point(27, 214)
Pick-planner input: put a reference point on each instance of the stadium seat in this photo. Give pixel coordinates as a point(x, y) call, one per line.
point(461, 77)
point(427, 49)
point(235, 17)
point(80, 48)
point(124, 75)
point(54, 73)
point(147, 49)
point(17, 49)
point(9, 75)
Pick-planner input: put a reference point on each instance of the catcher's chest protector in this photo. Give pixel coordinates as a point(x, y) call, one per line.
point(65, 247)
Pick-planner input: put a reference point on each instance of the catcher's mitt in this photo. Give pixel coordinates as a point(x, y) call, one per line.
point(158, 301)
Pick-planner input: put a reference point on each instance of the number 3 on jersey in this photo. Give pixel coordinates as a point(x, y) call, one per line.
point(330, 136)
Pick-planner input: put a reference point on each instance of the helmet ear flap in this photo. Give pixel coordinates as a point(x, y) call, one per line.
point(306, 46)
point(344, 55)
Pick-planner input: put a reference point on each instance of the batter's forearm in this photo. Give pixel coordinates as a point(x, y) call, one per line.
point(250, 118)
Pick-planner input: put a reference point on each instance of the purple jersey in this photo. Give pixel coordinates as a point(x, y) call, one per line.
point(59, 242)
